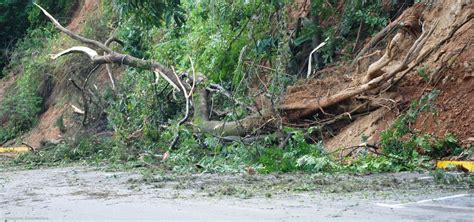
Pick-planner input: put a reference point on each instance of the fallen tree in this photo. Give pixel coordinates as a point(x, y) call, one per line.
point(402, 54)
point(201, 112)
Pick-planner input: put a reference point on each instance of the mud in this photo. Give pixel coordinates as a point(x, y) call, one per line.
point(454, 77)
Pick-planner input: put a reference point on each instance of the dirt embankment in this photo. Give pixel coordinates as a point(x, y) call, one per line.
point(453, 74)
point(447, 68)
point(85, 7)
point(58, 104)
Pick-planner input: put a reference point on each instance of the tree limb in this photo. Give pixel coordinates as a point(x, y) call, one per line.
point(242, 127)
point(92, 54)
point(112, 57)
point(107, 66)
point(72, 34)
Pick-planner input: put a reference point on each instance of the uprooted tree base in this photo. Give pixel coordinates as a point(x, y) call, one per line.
point(362, 86)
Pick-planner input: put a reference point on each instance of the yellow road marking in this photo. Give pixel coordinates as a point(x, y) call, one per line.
point(20, 149)
point(468, 165)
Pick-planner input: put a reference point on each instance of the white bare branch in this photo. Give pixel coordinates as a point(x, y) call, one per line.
point(72, 34)
point(311, 54)
point(92, 54)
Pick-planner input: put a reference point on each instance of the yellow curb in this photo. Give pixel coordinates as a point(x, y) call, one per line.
point(468, 165)
point(20, 149)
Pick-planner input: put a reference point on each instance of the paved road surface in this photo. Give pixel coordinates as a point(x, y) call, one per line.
point(79, 193)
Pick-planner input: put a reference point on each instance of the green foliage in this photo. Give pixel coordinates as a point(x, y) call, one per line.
point(152, 12)
point(392, 139)
point(422, 73)
point(297, 155)
point(405, 145)
point(141, 109)
point(17, 16)
point(375, 164)
point(366, 15)
point(218, 36)
point(22, 103)
point(438, 148)
point(137, 42)
point(85, 148)
point(20, 109)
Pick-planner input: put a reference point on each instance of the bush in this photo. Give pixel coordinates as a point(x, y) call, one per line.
point(140, 111)
point(85, 148)
point(298, 155)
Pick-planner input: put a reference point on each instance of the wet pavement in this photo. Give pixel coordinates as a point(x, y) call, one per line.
point(81, 193)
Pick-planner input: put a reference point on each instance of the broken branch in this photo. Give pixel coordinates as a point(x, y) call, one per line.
point(111, 56)
point(72, 34)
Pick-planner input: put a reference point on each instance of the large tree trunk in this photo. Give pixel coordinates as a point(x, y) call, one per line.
point(243, 127)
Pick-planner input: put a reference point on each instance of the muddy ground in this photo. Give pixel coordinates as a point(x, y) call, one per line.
point(85, 193)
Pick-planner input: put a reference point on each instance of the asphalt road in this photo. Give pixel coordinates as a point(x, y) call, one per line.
point(78, 193)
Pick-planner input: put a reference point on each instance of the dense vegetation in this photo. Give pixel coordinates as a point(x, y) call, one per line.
point(232, 43)
point(18, 16)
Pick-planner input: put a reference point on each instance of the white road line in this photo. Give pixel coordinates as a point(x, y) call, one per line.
point(443, 198)
point(402, 205)
point(449, 207)
point(390, 205)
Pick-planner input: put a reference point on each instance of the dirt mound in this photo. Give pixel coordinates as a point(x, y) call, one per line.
point(334, 80)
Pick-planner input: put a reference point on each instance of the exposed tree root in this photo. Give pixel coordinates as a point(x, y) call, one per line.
point(306, 108)
point(408, 20)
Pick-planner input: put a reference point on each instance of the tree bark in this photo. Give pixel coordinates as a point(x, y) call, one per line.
point(243, 127)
